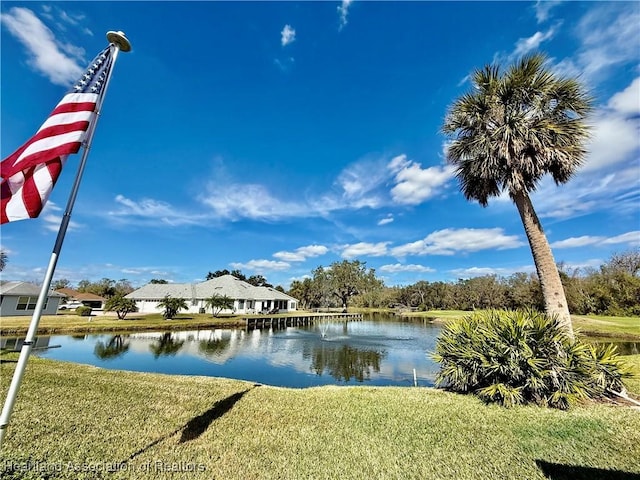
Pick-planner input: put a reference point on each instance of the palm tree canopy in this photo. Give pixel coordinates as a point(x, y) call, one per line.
point(515, 127)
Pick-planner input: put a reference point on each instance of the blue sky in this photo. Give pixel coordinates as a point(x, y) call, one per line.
point(275, 137)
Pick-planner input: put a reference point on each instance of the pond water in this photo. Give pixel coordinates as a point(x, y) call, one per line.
point(370, 352)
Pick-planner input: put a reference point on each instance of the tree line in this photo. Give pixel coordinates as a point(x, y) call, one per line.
point(611, 289)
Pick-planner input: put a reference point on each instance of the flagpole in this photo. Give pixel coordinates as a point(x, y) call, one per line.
point(118, 42)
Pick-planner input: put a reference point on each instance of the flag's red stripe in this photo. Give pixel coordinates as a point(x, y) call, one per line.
point(74, 107)
point(31, 195)
point(8, 167)
point(48, 155)
point(5, 196)
point(33, 202)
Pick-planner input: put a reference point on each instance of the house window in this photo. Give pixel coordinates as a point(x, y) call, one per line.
point(240, 304)
point(29, 303)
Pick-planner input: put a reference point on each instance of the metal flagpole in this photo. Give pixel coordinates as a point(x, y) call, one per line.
point(118, 42)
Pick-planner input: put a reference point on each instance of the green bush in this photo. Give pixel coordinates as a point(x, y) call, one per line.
point(522, 357)
point(83, 311)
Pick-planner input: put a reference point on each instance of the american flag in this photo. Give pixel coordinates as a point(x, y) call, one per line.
point(30, 173)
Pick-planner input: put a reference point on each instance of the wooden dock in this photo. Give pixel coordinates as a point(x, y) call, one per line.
point(258, 323)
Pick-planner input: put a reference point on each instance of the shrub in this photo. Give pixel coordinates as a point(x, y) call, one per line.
point(83, 311)
point(521, 357)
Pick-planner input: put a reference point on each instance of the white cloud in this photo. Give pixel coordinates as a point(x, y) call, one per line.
point(589, 192)
point(288, 35)
point(361, 180)
point(627, 102)
point(51, 215)
point(616, 129)
point(386, 220)
point(450, 241)
point(365, 248)
point(472, 272)
point(261, 265)
point(343, 11)
point(398, 267)
point(415, 184)
point(609, 177)
point(630, 238)
point(543, 7)
point(526, 45)
point(575, 242)
point(46, 55)
point(609, 37)
point(234, 201)
point(302, 253)
point(284, 64)
point(148, 211)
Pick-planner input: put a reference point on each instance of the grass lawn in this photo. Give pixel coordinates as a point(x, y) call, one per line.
point(591, 325)
point(82, 420)
point(600, 325)
point(71, 323)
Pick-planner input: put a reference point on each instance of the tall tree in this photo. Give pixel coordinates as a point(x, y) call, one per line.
point(302, 291)
point(3, 260)
point(348, 278)
point(258, 281)
point(60, 283)
point(513, 128)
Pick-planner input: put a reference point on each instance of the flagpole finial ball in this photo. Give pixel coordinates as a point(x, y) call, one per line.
point(119, 39)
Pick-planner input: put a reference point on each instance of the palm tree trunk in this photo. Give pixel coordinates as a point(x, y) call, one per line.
point(555, 301)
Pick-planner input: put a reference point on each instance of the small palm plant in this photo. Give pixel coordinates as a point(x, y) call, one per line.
point(172, 306)
point(524, 357)
point(217, 303)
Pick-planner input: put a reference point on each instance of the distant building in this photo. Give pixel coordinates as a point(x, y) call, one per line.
point(246, 297)
point(73, 297)
point(19, 298)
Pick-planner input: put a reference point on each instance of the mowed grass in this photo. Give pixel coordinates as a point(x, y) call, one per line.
point(83, 420)
point(72, 323)
point(588, 325)
point(601, 325)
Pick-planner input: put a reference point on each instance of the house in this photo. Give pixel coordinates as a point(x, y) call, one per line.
point(246, 297)
point(19, 298)
point(73, 297)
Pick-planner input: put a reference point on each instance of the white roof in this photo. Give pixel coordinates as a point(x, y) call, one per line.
point(227, 285)
point(24, 288)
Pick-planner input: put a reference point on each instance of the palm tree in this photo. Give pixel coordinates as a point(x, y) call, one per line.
point(3, 260)
point(172, 306)
point(510, 131)
point(217, 303)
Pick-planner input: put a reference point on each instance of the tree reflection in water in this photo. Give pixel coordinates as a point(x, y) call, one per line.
point(115, 347)
point(214, 347)
point(344, 362)
point(165, 345)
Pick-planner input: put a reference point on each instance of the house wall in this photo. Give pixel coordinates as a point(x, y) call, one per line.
point(239, 306)
point(9, 306)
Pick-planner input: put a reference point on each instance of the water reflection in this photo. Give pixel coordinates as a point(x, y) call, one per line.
point(166, 345)
point(115, 347)
point(344, 362)
point(214, 347)
point(371, 351)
